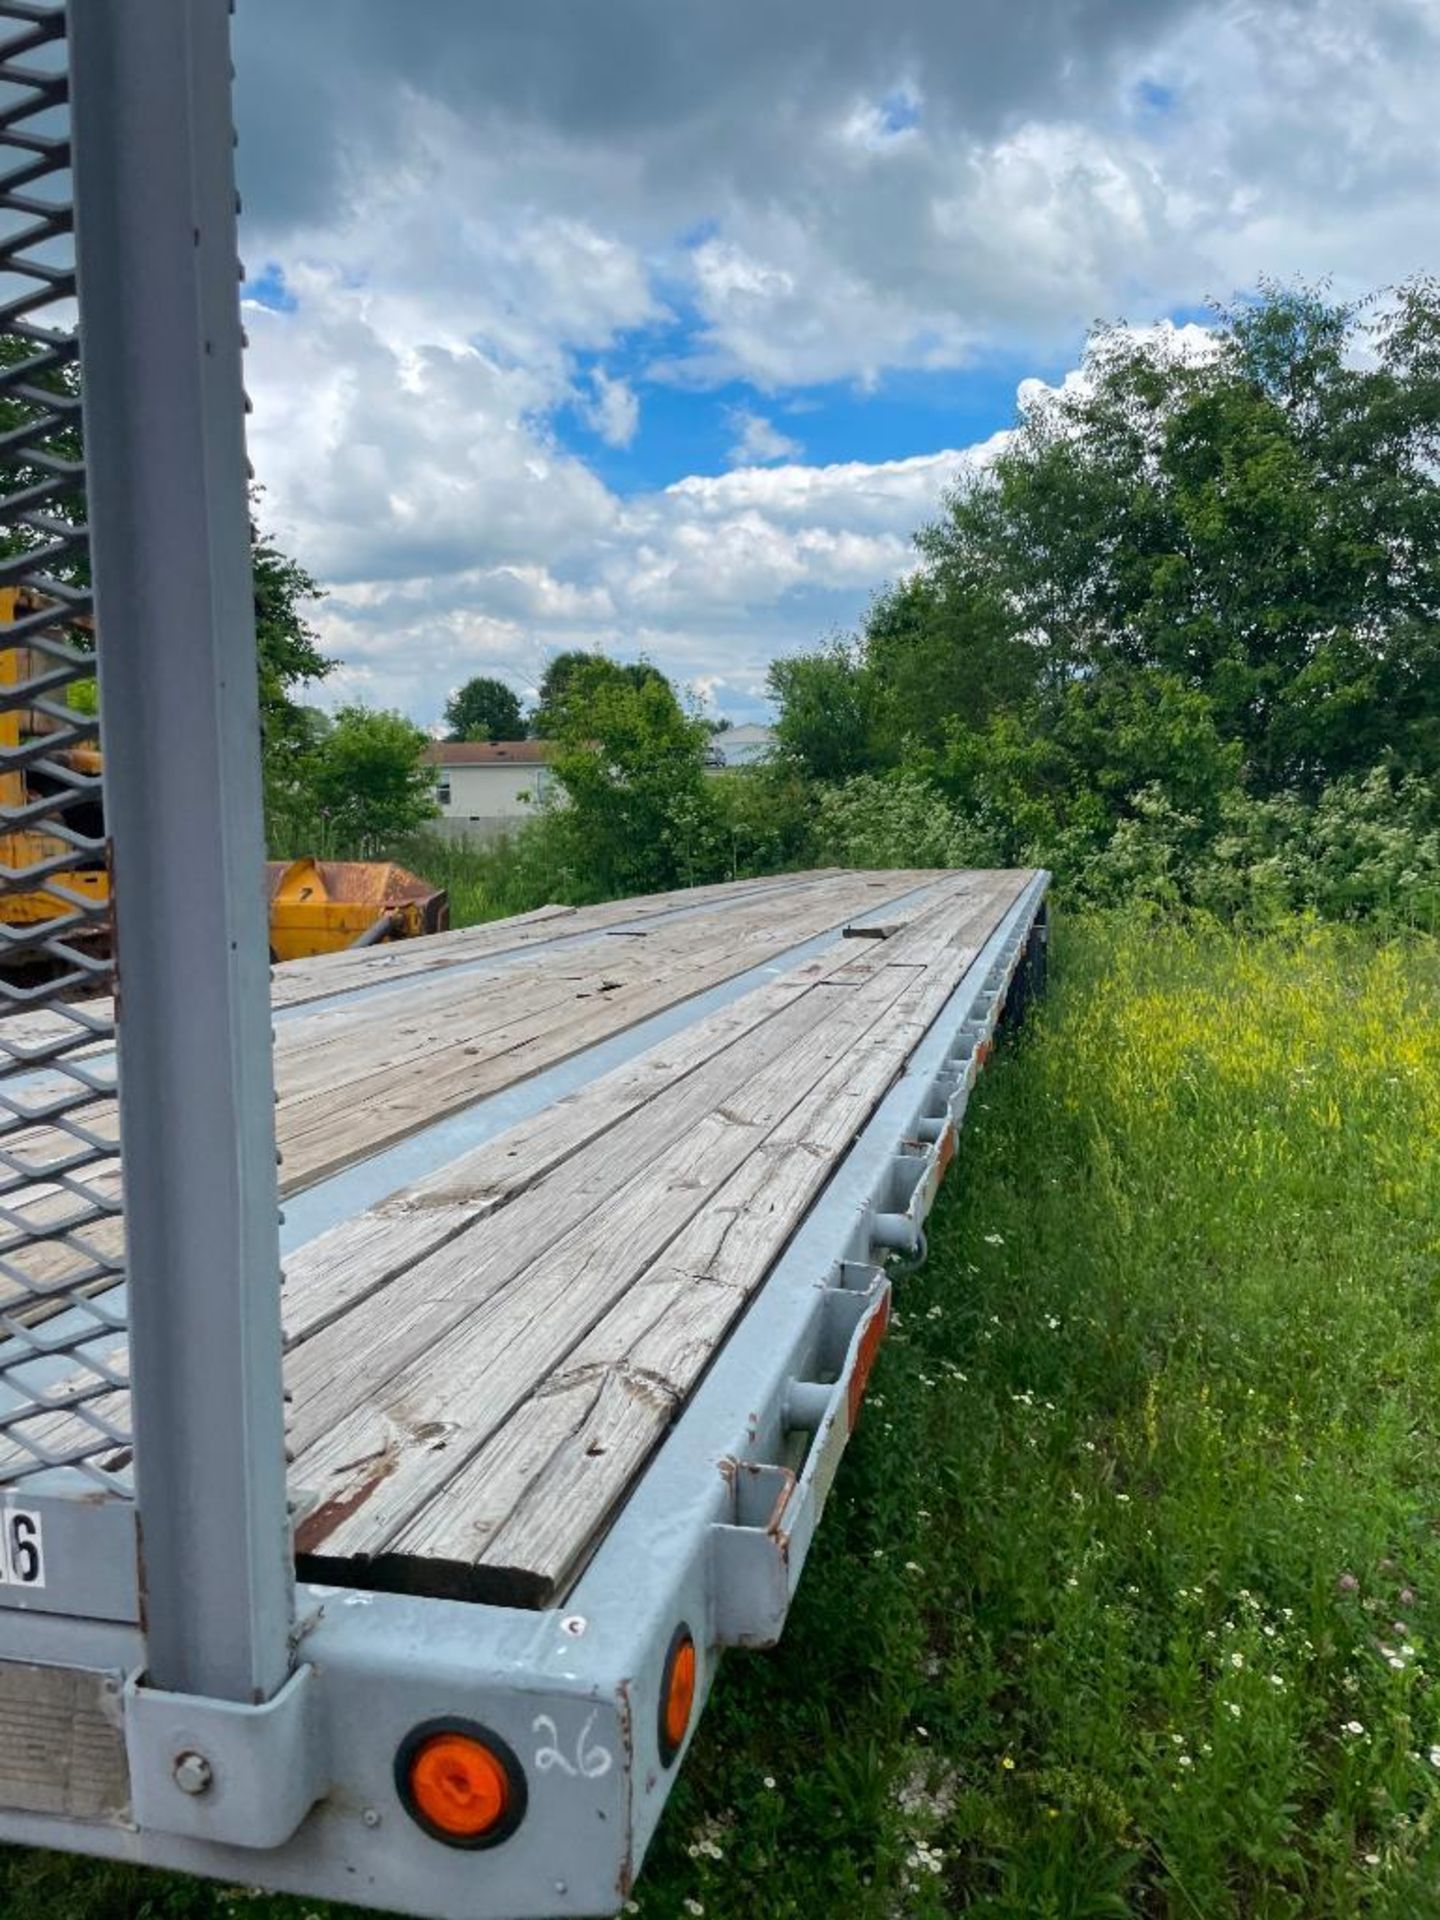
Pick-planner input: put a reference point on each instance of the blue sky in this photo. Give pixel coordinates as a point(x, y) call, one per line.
point(693, 429)
point(686, 430)
point(268, 288)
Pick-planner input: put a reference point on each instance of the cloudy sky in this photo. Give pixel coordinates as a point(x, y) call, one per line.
point(659, 325)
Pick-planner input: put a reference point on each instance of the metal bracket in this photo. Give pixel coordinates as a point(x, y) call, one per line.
point(85, 1560)
point(758, 1557)
point(216, 1770)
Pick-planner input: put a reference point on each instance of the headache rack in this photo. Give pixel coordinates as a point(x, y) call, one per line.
point(404, 1581)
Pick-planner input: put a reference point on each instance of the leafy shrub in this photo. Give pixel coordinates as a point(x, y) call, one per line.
point(904, 821)
point(767, 819)
point(1368, 848)
point(640, 812)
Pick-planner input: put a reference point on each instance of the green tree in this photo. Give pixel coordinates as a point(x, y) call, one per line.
point(289, 660)
point(826, 711)
point(766, 819)
point(938, 646)
point(641, 813)
point(49, 409)
point(484, 709)
point(1259, 524)
point(364, 780)
point(287, 645)
point(577, 670)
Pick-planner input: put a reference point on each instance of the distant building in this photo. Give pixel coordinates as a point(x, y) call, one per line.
point(488, 787)
point(743, 746)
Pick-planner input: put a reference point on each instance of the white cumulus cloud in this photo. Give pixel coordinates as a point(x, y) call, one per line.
point(758, 440)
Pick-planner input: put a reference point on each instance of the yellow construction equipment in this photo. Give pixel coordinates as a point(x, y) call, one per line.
point(61, 869)
point(316, 906)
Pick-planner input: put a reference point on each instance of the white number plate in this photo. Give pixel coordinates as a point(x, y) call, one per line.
point(22, 1548)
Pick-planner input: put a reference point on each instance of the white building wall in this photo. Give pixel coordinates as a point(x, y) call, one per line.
point(489, 800)
point(744, 746)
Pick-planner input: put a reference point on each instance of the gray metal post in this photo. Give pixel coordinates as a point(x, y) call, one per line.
point(163, 405)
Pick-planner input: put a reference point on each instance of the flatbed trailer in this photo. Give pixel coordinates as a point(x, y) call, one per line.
point(404, 1581)
point(586, 1264)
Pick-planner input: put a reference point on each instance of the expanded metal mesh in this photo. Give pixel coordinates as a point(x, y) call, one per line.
point(61, 1240)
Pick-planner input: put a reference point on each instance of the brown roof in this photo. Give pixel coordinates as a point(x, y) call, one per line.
point(486, 753)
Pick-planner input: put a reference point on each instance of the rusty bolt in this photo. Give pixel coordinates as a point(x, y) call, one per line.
point(192, 1772)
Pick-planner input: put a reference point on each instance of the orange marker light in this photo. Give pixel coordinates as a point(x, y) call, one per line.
point(461, 1783)
point(677, 1693)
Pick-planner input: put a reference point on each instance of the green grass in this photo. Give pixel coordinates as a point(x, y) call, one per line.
point(485, 881)
point(1129, 1598)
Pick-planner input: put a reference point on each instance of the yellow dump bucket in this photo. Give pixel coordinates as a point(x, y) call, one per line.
point(320, 906)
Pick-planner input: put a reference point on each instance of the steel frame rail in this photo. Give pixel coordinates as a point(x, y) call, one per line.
point(163, 402)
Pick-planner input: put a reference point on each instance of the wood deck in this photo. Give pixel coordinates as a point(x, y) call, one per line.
point(480, 1364)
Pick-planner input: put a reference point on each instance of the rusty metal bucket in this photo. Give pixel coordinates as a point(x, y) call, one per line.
point(322, 906)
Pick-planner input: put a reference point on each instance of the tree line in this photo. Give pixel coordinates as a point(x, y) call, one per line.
point(1180, 640)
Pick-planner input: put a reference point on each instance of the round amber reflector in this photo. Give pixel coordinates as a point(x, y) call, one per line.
point(461, 1783)
point(677, 1693)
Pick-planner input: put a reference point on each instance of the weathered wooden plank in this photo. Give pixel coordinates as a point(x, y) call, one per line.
point(58, 1433)
point(365, 1044)
point(566, 930)
point(408, 1324)
point(356, 1120)
point(580, 1440)
point(359, 1256)
point(296, 982)
point(31, 1203)
point(376, 1468)
point(664, 937)
point(339, 1269)
point(300, 981)
point(327, 1051)
point(650, 1348)
point(609, 1404)
point(362, 1256)
point(327, 1132)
